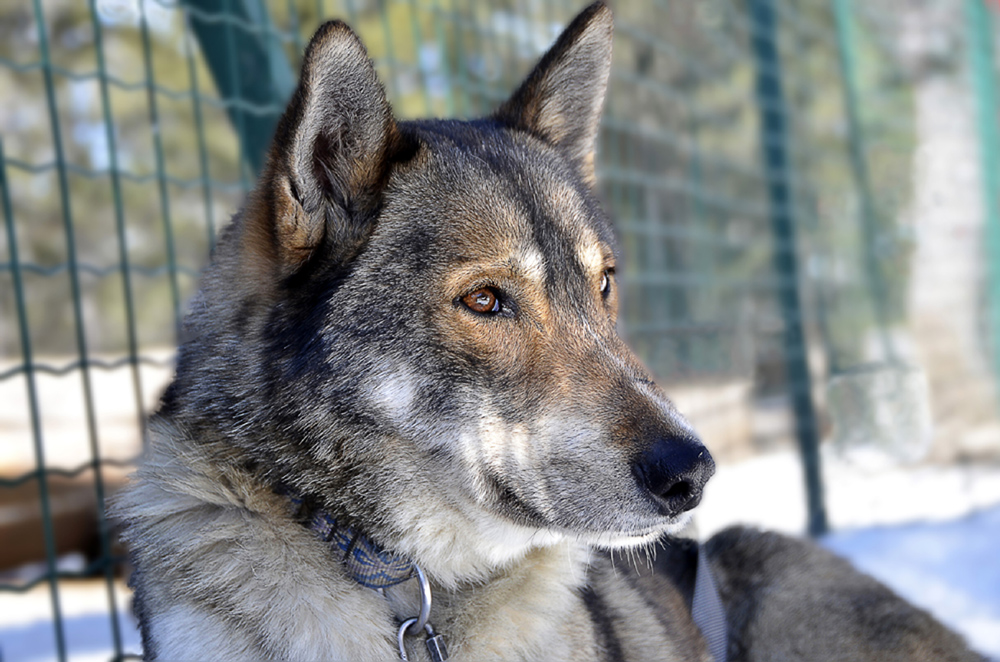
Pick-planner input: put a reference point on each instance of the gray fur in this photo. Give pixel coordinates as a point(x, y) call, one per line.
point(332, 349)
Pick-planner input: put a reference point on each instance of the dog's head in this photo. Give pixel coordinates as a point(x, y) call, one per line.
point(416, 321)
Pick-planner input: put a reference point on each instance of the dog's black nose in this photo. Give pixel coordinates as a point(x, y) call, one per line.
point(675, 470)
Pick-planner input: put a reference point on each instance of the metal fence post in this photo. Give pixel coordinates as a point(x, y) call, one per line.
point(250, 69)
point(774, 146)
point(34, 409)
point(842, 12)
point(979, 33)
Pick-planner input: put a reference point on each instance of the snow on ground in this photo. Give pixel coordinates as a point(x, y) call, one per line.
point(931, 533)
point(27, 633)
point(769, 491)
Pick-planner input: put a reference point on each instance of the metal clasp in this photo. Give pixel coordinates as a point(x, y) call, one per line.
point(436, 646)
point(435, 642)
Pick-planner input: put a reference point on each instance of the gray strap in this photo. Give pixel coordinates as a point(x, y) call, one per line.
point(707, 610)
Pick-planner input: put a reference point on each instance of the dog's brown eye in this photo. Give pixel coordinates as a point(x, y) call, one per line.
point(483, 300)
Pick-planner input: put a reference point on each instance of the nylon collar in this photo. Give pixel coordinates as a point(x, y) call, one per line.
point(365, 561)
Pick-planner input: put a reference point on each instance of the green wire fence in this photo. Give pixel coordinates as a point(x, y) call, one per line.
point(771, 166)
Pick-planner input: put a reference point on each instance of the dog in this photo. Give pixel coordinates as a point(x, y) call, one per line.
point(403, 424)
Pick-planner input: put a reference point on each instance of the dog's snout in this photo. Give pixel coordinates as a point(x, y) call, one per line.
point(675, 471)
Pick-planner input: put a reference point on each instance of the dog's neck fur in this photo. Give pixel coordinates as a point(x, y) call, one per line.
point(324, 617)
point(473, 548)
point(461, 544)
point(469, 545)
point(475, 585)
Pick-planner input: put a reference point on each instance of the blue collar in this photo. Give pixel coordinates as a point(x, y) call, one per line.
point(366, 562)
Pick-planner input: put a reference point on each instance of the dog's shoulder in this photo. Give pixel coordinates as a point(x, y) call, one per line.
point(211, 544)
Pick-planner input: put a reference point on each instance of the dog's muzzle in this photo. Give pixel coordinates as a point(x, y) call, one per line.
point(674, 471)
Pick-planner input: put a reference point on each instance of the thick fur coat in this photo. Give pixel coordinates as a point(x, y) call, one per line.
point(412, 325)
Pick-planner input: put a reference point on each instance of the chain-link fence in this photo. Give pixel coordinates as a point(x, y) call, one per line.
point(806, 194)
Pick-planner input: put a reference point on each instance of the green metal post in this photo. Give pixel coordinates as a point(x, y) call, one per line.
point(199, 126)
point(44, 498)
point(161, 169)
point(843, 11)
point(104, 526)
point(774, 144)
point(979, 32)
point(249, 67)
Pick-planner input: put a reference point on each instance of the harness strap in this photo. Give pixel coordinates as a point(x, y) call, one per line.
point(707, 610)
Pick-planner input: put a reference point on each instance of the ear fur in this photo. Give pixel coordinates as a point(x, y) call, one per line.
point(331, 154)
point(561, 99)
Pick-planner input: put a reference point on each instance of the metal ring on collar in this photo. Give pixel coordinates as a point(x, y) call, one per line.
point(419, 622)
point(425, 599)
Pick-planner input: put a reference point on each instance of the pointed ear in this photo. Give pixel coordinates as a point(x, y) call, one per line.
point(561, 99)
point(331, 154)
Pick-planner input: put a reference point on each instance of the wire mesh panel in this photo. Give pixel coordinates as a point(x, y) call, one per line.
point(802, 191)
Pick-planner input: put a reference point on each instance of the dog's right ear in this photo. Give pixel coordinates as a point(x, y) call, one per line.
point(330, 157)
point(561, 100)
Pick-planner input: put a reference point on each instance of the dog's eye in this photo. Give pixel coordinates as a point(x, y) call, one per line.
point(606, 281)
point(483, 300)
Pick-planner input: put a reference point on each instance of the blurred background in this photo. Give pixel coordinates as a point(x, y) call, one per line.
point(807, 195)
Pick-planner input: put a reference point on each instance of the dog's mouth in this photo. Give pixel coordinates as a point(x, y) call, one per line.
point(597, 495)
point(639, 518)
point(633, 517)
point(638, 537)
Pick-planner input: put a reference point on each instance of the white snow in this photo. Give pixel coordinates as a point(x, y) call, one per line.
point(26, 628)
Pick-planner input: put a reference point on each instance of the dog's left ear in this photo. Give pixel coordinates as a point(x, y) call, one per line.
point(561, 100)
